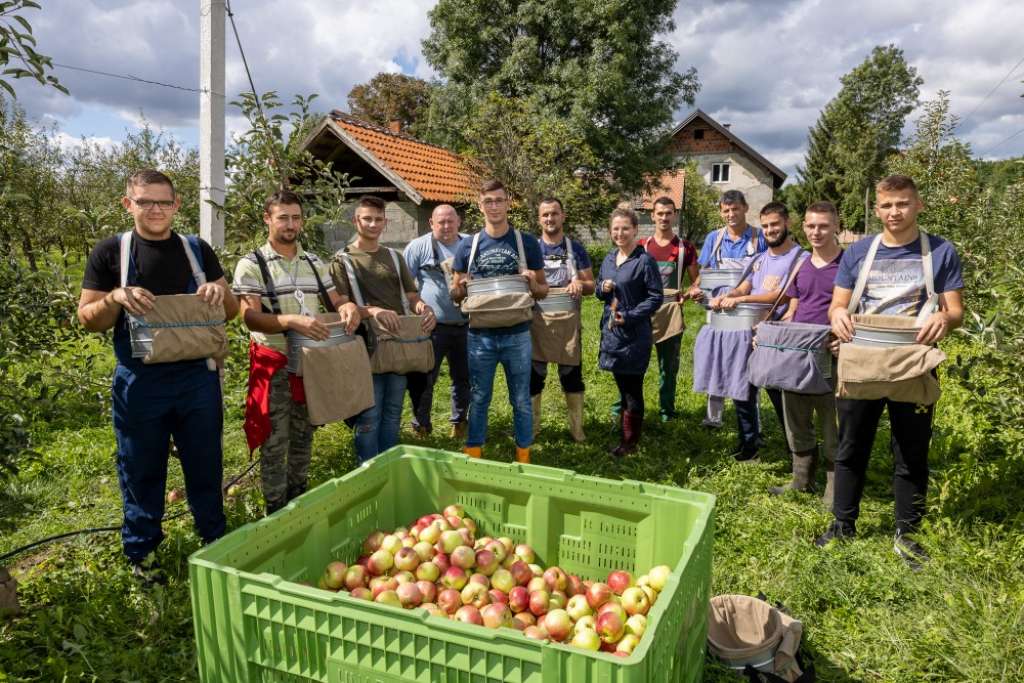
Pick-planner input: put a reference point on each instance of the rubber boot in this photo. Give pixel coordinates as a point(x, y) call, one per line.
point(632, 426)
point(536, 401)
point(830, 478)
point(804, 465)
point(523, 455)
point(473, 451)
point(620, 432)
point(574, 410)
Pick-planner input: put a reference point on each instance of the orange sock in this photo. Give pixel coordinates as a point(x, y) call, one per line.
point(473, 451)
point(522, 455)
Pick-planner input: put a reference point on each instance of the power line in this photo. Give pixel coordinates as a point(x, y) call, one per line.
point(136, 79)
point(1004, 140)
point(997, 86)
point(245, 62)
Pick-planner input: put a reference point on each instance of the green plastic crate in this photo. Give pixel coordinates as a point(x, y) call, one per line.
point(255, 622)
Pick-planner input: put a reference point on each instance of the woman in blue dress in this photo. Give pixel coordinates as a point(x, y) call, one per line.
point(630, 287)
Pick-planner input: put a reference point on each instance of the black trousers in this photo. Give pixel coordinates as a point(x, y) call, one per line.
point(571, 377)
point(631, 392)
point(911, 427)
point(449, 342)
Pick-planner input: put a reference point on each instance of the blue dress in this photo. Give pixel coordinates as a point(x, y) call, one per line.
point(626, 349)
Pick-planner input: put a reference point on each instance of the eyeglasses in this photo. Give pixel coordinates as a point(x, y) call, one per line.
point(150, 204)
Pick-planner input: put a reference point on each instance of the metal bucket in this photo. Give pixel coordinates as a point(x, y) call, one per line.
point(296, 342)
point(712, 279)
point(502, 284)
point(871, 335)
point(743, 317)
point(141, 339)
point(557, 301)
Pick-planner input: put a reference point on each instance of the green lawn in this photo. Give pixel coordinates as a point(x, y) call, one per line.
point(867, 617)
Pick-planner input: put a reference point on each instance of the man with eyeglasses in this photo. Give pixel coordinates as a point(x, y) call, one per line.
point(429, 258)
point(153, 403)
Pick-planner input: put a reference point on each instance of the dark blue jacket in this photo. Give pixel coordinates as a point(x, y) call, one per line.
point(626, 349)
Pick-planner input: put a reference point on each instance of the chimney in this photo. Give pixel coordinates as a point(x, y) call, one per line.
point(395, 126)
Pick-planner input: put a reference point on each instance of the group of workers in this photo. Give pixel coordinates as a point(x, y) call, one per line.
point(280, 288)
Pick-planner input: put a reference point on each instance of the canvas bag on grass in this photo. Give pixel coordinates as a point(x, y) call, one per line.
point(762, 641)
point(500, 309)
point(407, 350)
point(668, 321)
point(791, 356)
point(902, 373)
point(337, 381)
point(180, 326)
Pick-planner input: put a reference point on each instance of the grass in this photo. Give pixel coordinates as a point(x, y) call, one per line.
point(867, 618)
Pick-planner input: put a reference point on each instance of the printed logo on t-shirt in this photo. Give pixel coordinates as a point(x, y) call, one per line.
point(556, 269)
point(771, 283)
point(497, 259)
point(894, 287)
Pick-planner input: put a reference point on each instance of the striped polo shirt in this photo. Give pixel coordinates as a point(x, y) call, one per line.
point(287, 275)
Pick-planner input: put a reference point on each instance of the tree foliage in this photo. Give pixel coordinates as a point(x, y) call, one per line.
point(269, 156)
point(597, 73)
point(391, 97)
point(857, 131)
point(18, 55)
point(699, 212)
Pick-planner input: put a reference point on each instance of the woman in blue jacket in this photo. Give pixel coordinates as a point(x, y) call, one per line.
point(630, 287)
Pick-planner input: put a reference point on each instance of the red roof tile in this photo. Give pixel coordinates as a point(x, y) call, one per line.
point(434, 172)
point(671, 184)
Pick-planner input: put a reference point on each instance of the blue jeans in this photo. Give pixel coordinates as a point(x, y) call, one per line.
point(150, 407)
point(748, 423)
point(515, 353)
point(377, 427)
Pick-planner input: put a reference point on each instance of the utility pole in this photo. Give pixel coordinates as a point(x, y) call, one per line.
point(211, 121)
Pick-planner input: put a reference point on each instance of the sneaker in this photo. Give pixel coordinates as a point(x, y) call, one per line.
point(837, 531)
point(910, 551)
point(148, 571)
point(421, 432)
point(711, 424)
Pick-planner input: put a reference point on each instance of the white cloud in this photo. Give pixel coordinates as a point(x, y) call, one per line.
point(69, 143)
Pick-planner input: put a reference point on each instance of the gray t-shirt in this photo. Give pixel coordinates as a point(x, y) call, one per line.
point(421, 255)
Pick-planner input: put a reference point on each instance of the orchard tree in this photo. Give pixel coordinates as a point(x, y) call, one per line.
point(392, 97)
point(600, 69)
point(18, 55)
point(857, 131)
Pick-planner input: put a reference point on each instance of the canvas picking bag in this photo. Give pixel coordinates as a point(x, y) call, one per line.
point(498, 309)
point(792, 357)
point(762, 642)
point(337, 381)
point(179, 326)
point(668, 321)
point(556, 337)
point(901, 372)
point(407, 350)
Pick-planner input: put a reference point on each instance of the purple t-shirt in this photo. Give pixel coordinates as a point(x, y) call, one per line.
point(813, 287)
point(770, 272)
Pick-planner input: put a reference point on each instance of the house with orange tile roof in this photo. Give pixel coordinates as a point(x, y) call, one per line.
point(412, 176)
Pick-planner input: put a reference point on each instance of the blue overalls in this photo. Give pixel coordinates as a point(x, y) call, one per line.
point(151, 404)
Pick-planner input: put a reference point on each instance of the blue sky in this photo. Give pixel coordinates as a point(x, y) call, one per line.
point(767, 68)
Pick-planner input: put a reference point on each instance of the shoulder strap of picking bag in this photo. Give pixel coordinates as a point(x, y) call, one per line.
point(680, 254)
point(325, 299)
point(398, 273)
point(926, 266)
point(472, 253)
point(573, 272)
point(197, 273)
point(716, 251)
point(752, 243)
point(353, 283)
point(268, 282)
point(794, 268)
point(438, 262)
point(124, 254)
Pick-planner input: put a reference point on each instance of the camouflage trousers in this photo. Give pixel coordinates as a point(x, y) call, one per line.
point(284, 471)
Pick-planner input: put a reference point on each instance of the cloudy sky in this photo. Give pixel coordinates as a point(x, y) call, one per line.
point(767, 67)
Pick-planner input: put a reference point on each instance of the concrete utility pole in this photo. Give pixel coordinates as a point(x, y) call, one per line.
point(211, 121)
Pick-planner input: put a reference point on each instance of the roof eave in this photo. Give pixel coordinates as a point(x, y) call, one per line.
point(777, 173)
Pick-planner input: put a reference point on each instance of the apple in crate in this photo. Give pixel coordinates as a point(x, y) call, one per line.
point(372, 542)
point(537, 583)
point(442, 562)
point(334, 575)
point(430, 534)
point(425, 551)
point(433, 610)
point(578, 607)
point(525, 553)
point(496, 615)
point(449, 600)
point(498, 549)
point(428, 571)
point(428, 589)
point(558, 624)
point(558, 600)
point(588, 622)
point(521, 573)
point(454, 510)
point(575, 586)
point(475, 594)
point(619, 581)
point(356, 577)
point(463, 557)
point(598, 594)
point(388, 597)
point(625, 647)
point(468, 614)
point(361, 593)
point(539, 602)
point(556, 579)
point(450, 540)
point(477, 577)
point(497, 596)
point(610, 626)
point(635, 601)
point(391, 543)
point(535, 633)
point(659, 576)
point(526, 618)
point(519, 599)
point(636, 625)
point(380, 562)
point(586, 640)
point(502, 580)
point(454, 578)
point(379, 584)
point(487, 562)
point(409, 595)
point(616, 608)
point(404, 577)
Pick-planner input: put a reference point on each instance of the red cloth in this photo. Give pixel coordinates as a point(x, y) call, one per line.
point(263, 363)
point(670, 253)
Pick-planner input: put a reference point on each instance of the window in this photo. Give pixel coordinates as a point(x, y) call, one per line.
point(698, 134)
point(719, 173)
